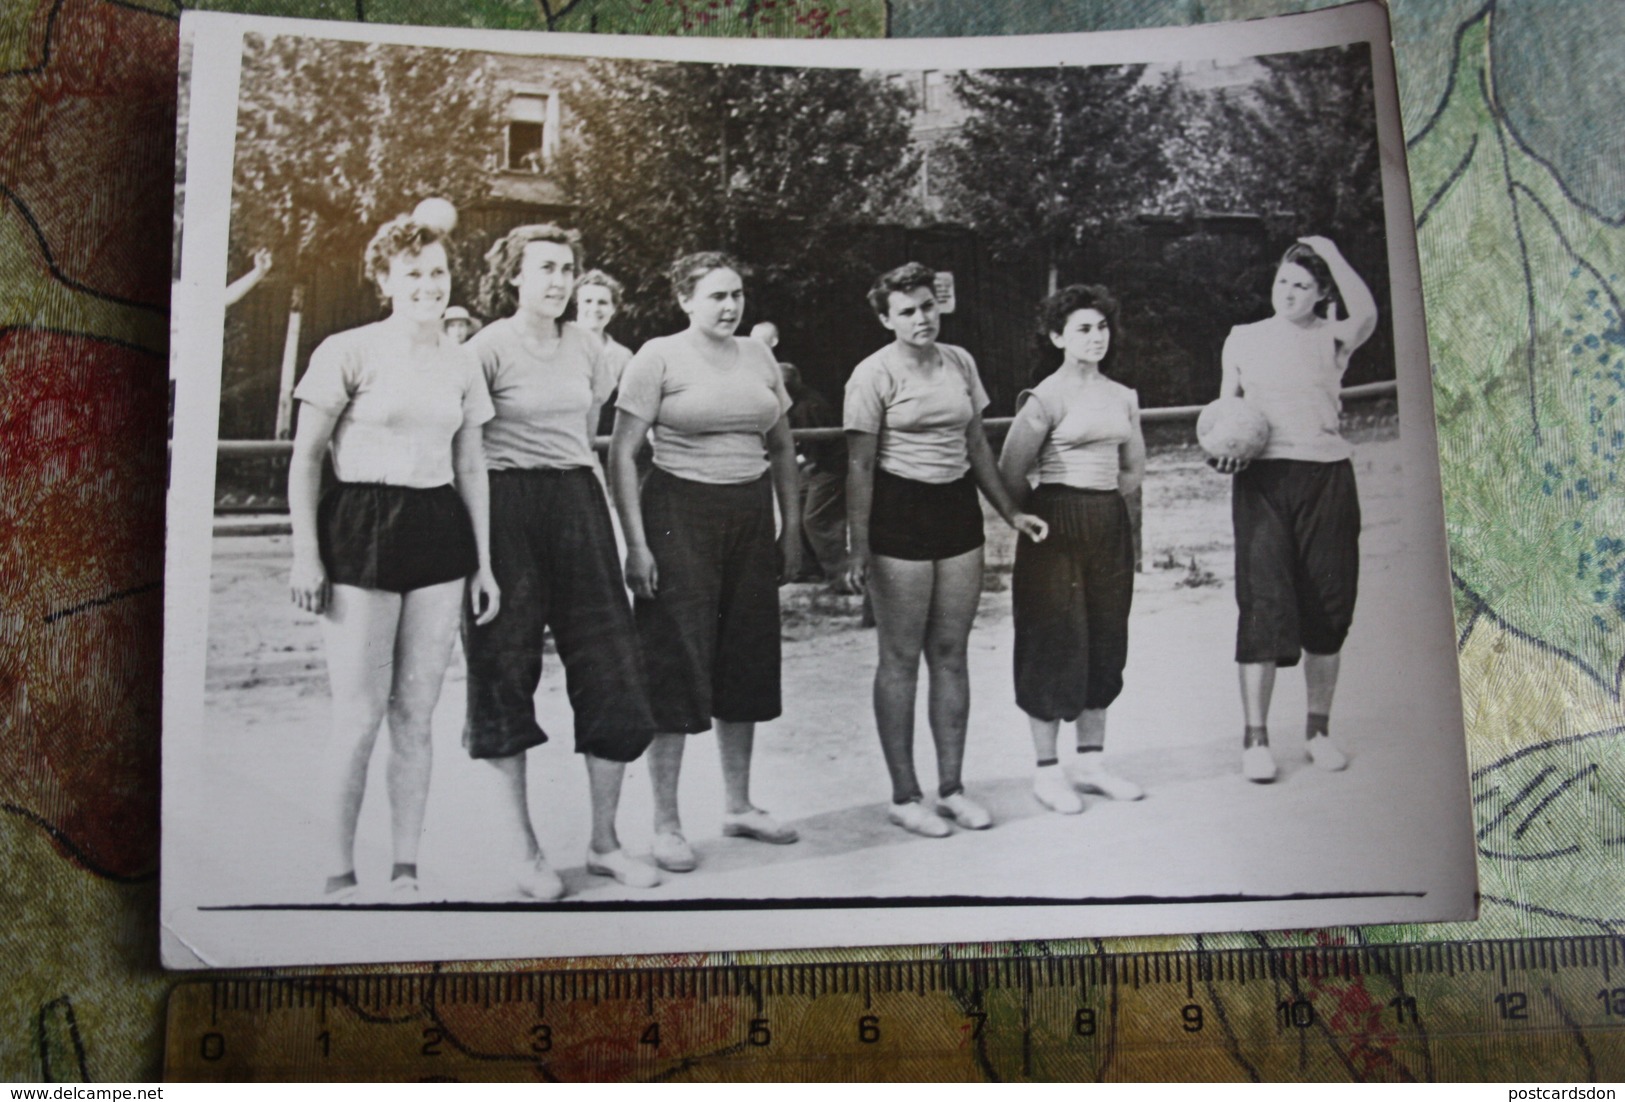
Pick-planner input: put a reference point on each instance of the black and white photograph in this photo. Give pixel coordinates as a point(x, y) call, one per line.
point(652, 495)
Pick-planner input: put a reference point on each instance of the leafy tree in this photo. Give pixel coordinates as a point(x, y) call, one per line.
point(334, 138)
point(1048, 158)
point(771, 164)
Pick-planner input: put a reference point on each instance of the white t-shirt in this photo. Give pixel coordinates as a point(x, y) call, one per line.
point(921, 417)
point(542, 402)
point(1084, 423)
point(1292, 375)
point(397, 412)
point(710, 423)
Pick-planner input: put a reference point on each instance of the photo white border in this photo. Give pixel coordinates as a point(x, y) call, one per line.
point(194, 938)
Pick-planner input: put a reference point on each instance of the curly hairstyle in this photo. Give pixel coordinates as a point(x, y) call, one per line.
point(600, 278)
point(1313, 263)
point(498, 298)
point(1054, 311)
point(910, 277)
point(400, 236)
point(687, 270)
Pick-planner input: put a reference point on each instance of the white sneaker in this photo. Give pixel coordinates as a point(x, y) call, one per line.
point(625, 869)
point(537, 880)
point(1325, 754)
point(1052, 789)
point(964, 811)
point(1090, 776)
point(1258, 764)
point(672, 852)
point(914, 818)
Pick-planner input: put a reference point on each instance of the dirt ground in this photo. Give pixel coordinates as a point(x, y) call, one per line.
point(1201, 829)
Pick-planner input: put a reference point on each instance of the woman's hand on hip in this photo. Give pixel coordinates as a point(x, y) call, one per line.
point(1034, 528)
point(484, 596)
point(642, 575)
point(308, 585)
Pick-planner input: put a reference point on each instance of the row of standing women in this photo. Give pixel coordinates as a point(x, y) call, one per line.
point(467, 495)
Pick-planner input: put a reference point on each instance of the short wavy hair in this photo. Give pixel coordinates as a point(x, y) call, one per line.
point(400, 236)
point(600, 278)
point(1057, 308)
point(1312, 262)
point(910, 277)
point(687, 270)
point(498, 298)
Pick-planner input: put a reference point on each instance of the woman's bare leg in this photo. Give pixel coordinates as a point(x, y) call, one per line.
point(954, 597)
point(902, 595)
point(512, 809)
point(665, 768)
point(604, 786)
point(428, 624)
point(359, 629)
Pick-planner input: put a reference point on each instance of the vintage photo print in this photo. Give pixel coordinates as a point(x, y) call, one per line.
point(647, 495)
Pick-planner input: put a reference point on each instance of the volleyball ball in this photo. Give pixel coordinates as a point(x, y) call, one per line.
point(436, 213)
point(1229, 428)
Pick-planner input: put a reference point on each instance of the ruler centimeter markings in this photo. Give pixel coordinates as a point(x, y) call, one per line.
point(1527, 1010)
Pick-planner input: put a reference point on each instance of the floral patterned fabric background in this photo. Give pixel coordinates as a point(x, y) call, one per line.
point(1510, 112)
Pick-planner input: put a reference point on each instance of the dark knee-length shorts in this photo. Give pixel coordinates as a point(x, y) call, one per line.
point(711, 634)
point(1297, 558)
point(554, 557)
point(394, 538)
point(1070, 598)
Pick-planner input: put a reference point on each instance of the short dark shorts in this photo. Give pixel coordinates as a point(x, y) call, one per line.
point(924, 521)
point(394, 538)
point(1297, 529)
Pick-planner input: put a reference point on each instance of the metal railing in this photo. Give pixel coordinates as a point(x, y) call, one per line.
point(996, 425)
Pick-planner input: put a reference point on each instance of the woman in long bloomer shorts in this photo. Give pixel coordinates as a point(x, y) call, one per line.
point(386, 555)
point(1071, 593)
point(1295, 507)
point(701, 557)
point(916, 455)
point(553, 553)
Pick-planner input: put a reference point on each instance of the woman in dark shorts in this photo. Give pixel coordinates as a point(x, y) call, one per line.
point(701, 557)
point(916, 455)
point(1071, 593)
point(387, 554)
point(553, 553)
point(1295, 507)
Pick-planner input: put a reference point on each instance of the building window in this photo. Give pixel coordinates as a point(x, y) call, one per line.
point(529, 137)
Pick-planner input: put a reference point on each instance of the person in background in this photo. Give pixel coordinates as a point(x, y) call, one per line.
point(1071, 593)
point(598, 300)
point(459, 324)
point(1296, 508)
point(701, 559)
point(250, 279)
point(823, 481)
point(386, 555)
point(767, 333)
point(917, 455)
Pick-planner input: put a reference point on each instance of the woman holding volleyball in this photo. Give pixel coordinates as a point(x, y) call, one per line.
point(916, 455)
point(553, 553)
point(701, 556)
point(1295, 507)
point(1071, 592)
point(385, 557)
